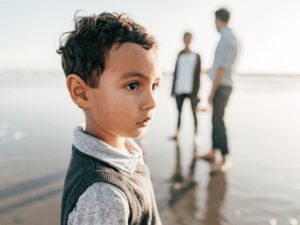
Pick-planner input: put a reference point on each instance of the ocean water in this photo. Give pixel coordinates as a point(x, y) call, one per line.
point(37, 119)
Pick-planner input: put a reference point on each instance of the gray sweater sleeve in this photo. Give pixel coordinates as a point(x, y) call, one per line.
point(101, 203)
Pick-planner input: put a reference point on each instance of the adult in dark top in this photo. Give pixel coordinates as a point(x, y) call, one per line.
point(186, 82)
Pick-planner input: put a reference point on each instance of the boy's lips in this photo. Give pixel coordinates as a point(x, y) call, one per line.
point(145, 122)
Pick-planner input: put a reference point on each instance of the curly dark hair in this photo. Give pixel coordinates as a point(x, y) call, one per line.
point(85, 49)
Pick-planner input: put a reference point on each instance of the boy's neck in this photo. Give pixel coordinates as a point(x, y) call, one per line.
point(119, 143)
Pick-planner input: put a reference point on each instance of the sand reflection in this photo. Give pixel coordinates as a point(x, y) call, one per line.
point(216, 191)
point(183, 201)
point(183, 193)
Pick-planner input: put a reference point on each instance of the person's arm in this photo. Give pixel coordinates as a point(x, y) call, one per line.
point(226, 59)
point(198, 74)
point(218, 77)
point(101, 203)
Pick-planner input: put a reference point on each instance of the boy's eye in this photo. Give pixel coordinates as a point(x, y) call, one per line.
point(154, 86)
point(132, 86)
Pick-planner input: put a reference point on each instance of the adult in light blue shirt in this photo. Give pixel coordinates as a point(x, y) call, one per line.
point(225, 56)
point(220, 73)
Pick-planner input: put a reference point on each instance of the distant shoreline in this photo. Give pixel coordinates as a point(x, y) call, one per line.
point(53, 72)
point(268, 74)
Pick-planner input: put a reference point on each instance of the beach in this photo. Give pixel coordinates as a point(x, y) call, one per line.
point(37, 119)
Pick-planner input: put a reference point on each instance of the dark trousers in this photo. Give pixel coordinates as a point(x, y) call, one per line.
point(219, 131)
point(179, 101)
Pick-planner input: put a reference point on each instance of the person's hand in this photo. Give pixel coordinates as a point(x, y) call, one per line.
point(205, 71)
point(211, 97)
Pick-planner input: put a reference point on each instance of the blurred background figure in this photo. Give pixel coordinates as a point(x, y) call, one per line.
point(220, 73)
point(186, 82)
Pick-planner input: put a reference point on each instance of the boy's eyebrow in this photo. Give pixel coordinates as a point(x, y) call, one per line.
point(134, 74)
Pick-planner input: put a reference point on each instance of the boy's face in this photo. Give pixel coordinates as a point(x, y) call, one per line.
point(124, 103)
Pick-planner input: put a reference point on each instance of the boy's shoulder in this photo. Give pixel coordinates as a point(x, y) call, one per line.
point(97, 202)
point(90, 182)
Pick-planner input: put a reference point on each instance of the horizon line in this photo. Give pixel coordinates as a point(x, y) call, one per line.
point(164, 72)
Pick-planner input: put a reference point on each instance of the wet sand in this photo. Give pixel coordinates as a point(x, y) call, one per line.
point(37, 119)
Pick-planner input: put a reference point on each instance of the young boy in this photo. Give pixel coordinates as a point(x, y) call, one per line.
point(112, 68)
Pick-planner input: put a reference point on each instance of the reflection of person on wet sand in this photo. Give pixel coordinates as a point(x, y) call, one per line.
point(177, 177)
point(216, 191)
point(183, 194)
point(186, 82)
point(184, 191)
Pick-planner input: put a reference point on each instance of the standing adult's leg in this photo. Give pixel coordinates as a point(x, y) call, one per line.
point(219, 136)
point(195, 121)
point(194, 103)
point(179, 101)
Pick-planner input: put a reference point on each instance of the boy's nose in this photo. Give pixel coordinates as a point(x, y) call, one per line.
point(149, 101)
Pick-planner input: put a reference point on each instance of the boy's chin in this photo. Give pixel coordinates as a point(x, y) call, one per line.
point(138, 133)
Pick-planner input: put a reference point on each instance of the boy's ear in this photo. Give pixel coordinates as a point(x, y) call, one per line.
point(78, 91)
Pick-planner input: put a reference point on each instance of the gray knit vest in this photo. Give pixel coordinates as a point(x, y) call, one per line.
point(84, 170)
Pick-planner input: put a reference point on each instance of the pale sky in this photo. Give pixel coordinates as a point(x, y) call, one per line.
point(268, 30)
